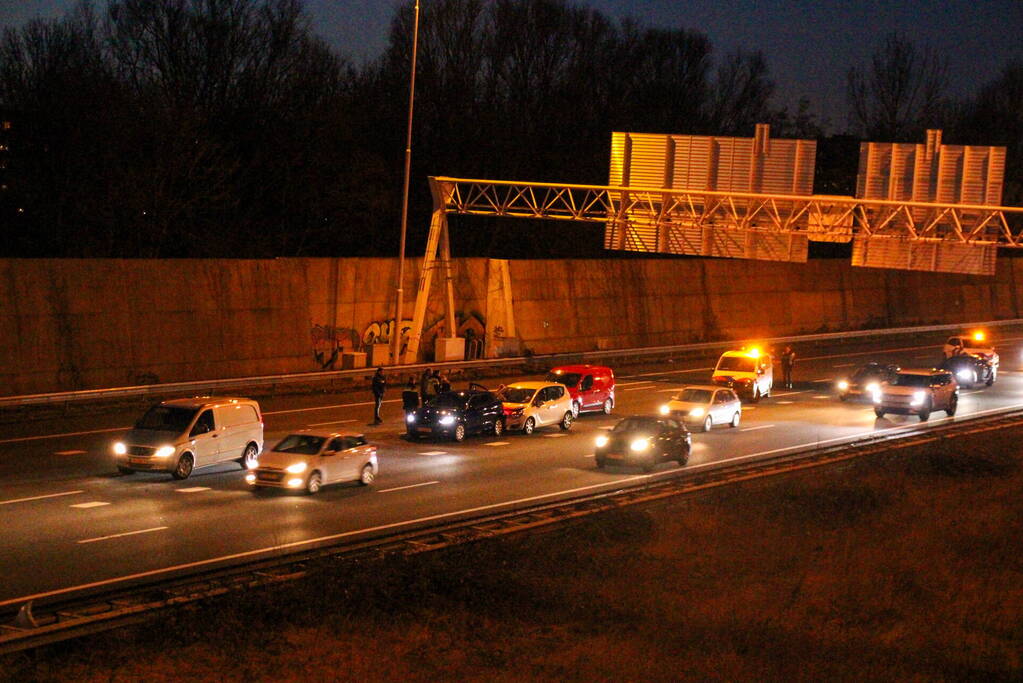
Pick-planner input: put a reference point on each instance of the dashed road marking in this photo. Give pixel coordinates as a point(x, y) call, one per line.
point(69, 452)
point(664, 391)
point(335, 422)
point(781, 403)
point(589, 455)
point(193, 489)
point(338, 405)
point(410, 486)
point(126, 533)
point(626, 384)
point(753, 429)
point(433, 453)
point(65, 434)
point(792, 393)
point(555, 435)
point(497, 443)
point(820, 397)
point(48, 495)
point(92, 504)
point(643, 388)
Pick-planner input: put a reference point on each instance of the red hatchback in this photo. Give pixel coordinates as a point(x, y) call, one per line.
point(592, 387)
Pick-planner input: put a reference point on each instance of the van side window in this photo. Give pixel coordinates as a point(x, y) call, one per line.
point(587, 383)
point(204, 424)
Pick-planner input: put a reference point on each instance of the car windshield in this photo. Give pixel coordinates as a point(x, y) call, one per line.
point(637, 424)
point(693, 396)
point(166, 419)
point(450, 399)
point(569, 379)
point(302, 444)
point(868, 371)
point(912, 380)
point(517, 395)
point(737, 364)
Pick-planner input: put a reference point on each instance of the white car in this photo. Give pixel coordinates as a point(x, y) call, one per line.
point(529, 405)
point(312, 459)
point(705, 406)
point(976, 344)
point(918, 392)
point(179, 435)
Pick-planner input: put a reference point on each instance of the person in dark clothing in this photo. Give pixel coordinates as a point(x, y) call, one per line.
point(379, 386)
point(410, 397)
point(424, 385)
point(443, 383)
point(788, 359)
point(433, 385)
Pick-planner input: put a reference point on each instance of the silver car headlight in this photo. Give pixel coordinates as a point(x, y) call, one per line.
point(120, 448)
point(447, 420)
point(297, 468)
point(918, 398)
point(164, 451)
point(696, 412)
point(640, 445)
point(602, 441)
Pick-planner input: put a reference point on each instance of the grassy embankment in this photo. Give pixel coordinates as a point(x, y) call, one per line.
point(895, 567)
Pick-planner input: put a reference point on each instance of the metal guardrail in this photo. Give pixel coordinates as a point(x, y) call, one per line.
point(209, 386)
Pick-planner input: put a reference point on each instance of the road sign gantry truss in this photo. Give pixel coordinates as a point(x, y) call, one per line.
point(886, 233)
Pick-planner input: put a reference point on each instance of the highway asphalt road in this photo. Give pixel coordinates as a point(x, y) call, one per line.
point(70, 522)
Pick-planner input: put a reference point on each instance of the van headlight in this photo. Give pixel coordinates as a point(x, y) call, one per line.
point(164, 451)
point(297, 468)
point(447, 420)
point(873, 387)
point(640, 445)
point(602, 441)
point(918, 398)
point(665, 409)
point(696, 412)
point(843, 385)
point(120, 448)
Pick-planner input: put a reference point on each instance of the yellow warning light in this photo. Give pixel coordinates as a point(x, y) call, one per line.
point(753, 352)
point(978, 336)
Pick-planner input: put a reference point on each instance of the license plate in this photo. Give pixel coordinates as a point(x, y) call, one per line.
point(424, 430)
point(138, 461)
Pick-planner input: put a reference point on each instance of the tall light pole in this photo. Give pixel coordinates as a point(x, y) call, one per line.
point(396, 329)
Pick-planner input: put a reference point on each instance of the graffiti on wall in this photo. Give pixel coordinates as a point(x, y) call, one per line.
point(329, 342)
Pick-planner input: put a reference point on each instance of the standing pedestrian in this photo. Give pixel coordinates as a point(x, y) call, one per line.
point(410, 397)
point(443, 383)
point(788, 359)
point(433, 384)
point(379, 386)
point(424, 385)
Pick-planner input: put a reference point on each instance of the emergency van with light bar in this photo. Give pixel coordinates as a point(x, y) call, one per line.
point(749, 371)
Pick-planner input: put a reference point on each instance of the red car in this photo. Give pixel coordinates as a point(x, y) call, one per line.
point(592, 387)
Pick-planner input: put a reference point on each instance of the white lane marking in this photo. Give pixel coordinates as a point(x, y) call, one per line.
point(555, 435)
point(754, 407)
point(670, 372)
point(822, 379)
point(753, 429)
point(793, 393)
point(497, 443)
point(48, 495)
point(781, 403)
point(335, 422)
point(843, 365)
point(309, 541)
point(69, 452)
point(339, 405)
point(922, 357)
point(626, 384)
point(589, 455)
point(410, 486)
point(643, 388)
point(193, 489)
point(433, 453)
point(64, 434)
point(820, 397)
point(92, 504)
point(126, 533)
point(664, 391)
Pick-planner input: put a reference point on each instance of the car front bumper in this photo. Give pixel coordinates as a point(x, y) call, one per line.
point(147, 463)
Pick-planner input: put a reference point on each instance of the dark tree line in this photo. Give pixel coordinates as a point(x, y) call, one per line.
point(197, 128)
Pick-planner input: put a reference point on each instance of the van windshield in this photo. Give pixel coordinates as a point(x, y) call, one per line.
point(166, 419)
point(737, 364)
point(569, 379)
point(694, 396)
point(302, 444)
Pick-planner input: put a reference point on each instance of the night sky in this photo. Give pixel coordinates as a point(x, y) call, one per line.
point(809, 44)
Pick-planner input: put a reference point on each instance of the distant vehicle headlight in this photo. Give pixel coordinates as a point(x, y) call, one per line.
point(164, 451)
point(640, 445)
point(297, 468)
point(602, 441)
point(410, 418)
point(696, 412)
point(447, 420)
point(120, 448)
point(918, 398)
point(843, 385)
point(665, 409)
point(964, 374)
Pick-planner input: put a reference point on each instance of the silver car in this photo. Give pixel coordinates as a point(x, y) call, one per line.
point(309, 460)
point(706, 406)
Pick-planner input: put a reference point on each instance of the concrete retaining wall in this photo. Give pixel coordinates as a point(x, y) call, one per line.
point(80, 324)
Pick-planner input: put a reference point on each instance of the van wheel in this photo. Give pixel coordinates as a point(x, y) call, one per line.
point(498, 427)
point(366, 477)
point(125, 470)
point(566, 422)
point(575, 409)
point(250, 458)
point(313, 484)
point(529, 426)
point(735, 419)
point(608, 406)
point(184, 468)
point(708, 423)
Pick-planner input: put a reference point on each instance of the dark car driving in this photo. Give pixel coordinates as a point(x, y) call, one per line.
point(865, 381)
point(644, 441)
point(969, 369)
point(456, 414)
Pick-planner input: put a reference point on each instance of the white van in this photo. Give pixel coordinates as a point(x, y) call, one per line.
point(750, 372)
point(178, 436)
